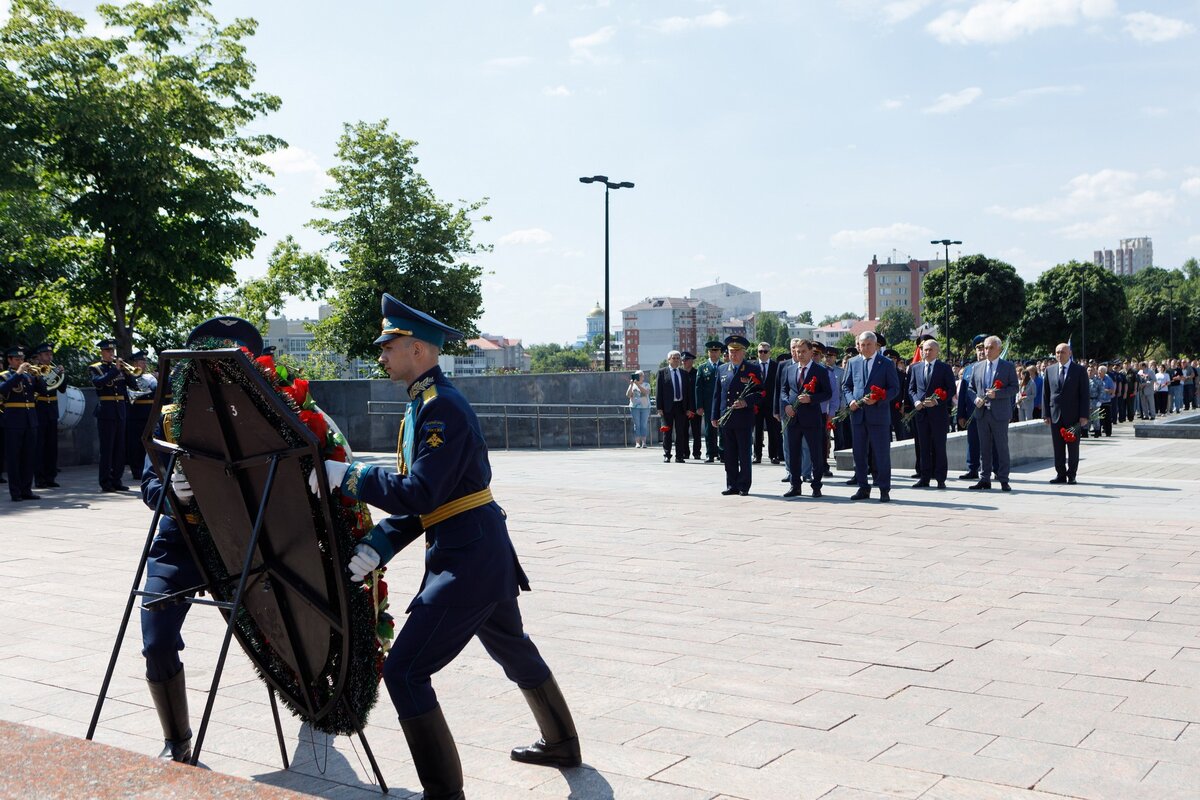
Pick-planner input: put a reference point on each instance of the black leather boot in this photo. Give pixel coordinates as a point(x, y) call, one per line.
point(434, 755)
point(170, 701)
point(559, 745)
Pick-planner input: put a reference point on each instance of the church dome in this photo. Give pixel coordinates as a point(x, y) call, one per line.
point(597, 311)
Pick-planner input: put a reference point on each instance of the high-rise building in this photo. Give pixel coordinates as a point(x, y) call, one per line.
point(733, 300)
point(658, 325)
point(1131, 256)
point(897, 285)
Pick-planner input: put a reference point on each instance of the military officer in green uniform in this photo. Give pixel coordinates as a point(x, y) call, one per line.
point(706, 384)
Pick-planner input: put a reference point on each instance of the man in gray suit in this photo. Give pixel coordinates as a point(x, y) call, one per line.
point(994, 381)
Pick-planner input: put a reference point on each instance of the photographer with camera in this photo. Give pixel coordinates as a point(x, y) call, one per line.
point(639, 407)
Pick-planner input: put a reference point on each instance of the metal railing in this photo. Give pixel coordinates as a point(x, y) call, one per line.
point(576, 416)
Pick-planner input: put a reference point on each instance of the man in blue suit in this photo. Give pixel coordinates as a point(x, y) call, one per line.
point(1065, 399)
point(966, 405)
point(871, 420)
point(472, 576)
point(994, 381)
point(925, 378)
point(737, 431)
point(803, 388)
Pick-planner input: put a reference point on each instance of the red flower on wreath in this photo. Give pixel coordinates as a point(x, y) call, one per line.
point(316, 423)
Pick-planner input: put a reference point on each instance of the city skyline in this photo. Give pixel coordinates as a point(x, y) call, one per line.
point(773, 146)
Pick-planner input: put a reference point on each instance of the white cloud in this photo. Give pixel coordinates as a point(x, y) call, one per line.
point(1191, 186)
point(892, 104)
point(888, 11)
point(900, 10)
point(1107, 203)
point(953, 101)
point(526, 236)
point(1194, 240)
point(556, 91)
point(582, 46)
point(1038, 91)
point(991, 21)
point(507, 62)
point(1155, 111)
point(1146, 27)
point(896, 233)
point(292, 161)
point(714, 19)
point(540, 8)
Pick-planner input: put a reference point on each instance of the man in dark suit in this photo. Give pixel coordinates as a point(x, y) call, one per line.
point(689, 387)
point(674, 401)
point(994, 381)
point(871, 419)
point(768, 372)
point(926, 377)
point(803, 387)
point(737, 430)
point(966, 405)
point(1065, 398)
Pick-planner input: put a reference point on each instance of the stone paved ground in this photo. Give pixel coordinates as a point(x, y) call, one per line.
point(1038, 644)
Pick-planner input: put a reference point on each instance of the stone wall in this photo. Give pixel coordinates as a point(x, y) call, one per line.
point(1027, 442)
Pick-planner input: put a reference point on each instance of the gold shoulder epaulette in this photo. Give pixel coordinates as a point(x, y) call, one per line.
point(429, 395)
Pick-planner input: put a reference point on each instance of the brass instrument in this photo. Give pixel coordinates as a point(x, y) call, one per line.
point(133, 372)
point(53, 374)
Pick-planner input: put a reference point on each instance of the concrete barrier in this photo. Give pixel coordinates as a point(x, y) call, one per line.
point(1027, 442)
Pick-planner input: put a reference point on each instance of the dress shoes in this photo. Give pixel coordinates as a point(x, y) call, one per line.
point(1059, 479)
point(31, 496)
point(774, 460)
point(786, 479)
point(743, 492)
point(861, 494)
point(828, 473)
point(122, 487)
point(667, 459)
point(851, 482)
point(816, 491)
point(709, 460)
point(680, 460)
point(730, 491)
point(921, 484)
point(795, 491)
point(53, 484)
point(1070, 481)
point(915, 475)
point(17, 499)
point(758, 460)
point(885, 495)
point(941, 484)
point(1004, 487)
point(981, 485)
point(969, 476)
point(41, 485)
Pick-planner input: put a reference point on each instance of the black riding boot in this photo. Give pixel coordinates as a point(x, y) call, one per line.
point(559, 745)
point(434, 755)
point(170, 701)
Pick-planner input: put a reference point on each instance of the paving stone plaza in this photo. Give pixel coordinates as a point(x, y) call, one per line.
point(954, 644)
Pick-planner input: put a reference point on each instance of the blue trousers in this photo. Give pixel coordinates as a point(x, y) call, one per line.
point(876, 440)
point(973, 455)
point(112, 451)
point(736, 441)
point(169, 569)
point(18, 460)
point(801, 443)
point(433, 636)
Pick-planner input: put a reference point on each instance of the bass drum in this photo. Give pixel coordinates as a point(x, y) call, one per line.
point(70, 408)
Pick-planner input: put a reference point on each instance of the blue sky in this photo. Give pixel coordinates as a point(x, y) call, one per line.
point(777, 146)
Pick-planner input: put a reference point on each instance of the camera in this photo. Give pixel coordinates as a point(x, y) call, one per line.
point(633, 376)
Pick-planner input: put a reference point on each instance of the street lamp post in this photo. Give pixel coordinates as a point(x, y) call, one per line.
point(607, 185)
point(946, 243)
point(1083, 317)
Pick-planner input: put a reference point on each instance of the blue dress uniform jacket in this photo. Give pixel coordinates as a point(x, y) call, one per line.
point(45, 461)
point(738, 431)
point(469, 558)
point(18, 395)
point(111, 387)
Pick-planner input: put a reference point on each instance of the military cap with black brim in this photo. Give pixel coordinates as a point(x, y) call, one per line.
point(402, 320)
point(233, 329)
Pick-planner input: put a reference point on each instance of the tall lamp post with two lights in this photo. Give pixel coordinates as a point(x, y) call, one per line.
point(607, 185)
point(946, 243)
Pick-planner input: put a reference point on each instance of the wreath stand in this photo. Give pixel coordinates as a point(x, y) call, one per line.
point(263, 565)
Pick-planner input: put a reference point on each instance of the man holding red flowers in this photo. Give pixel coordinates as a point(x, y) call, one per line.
point(994, 381)
point(738, 396)
point(1065, 398)
point(931, 387)
point(869, 386)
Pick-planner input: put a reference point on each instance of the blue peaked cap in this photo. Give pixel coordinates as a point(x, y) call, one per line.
point(231, 329)
point(402, 320)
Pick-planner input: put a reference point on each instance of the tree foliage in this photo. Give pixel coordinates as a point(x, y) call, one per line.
point(769, 328)
point(134, 141)
point(1162, 311)
point(896, 324)
point(987, 296)
point(832, 318)
point(556, 358)
point(290, 273)
point(1054, 312)
point(392, 234)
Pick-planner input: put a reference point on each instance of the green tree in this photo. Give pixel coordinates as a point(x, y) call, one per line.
point(554, 357)
point(987, 297)
point(769, 328)
point(896, 325)
point(1162, 313)
point(392, 234)
point(832, 318)
point(804, 318)
point(141, 135)
point(844, 341)
point(1054, 314)
point(291, 273)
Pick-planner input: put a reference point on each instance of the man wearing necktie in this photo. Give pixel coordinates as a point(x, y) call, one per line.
point(994, 381)
point(1065, 398)
point(871, 420)
point(801, 406)
point(932, 420)
point(765, 422)
point(675, 397)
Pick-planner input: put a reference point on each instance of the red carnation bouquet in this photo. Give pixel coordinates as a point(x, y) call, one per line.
point(750, 385)
point(996, 384)
point(805, 390)
point(876, 394)
point(939, 394)
point(1071, 434)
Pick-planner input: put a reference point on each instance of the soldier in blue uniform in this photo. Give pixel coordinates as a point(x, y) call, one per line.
point(170, 569)
point(737, 432)
point(45, 454)
point(472, 576)
point(141, 399)
point(18, 394)
point(111, 413)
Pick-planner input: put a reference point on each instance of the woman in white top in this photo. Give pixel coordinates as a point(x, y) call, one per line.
point(639, 407)
point(1162, 380)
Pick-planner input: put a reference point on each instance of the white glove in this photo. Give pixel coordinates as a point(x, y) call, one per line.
point(181, 487)
point(334, 471)
point(364, 560)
